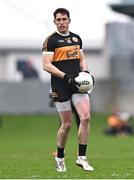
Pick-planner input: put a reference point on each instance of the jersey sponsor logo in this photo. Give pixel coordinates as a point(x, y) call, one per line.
point(72, 53)
point(67, 52)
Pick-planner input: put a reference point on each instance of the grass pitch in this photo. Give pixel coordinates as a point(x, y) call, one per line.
point(27, 143)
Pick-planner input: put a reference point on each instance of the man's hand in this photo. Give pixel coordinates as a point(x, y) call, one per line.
point(70, 79)
point(91, 76)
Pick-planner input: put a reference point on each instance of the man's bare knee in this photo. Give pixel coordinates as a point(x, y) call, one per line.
point(85, 119)
point(67, 126)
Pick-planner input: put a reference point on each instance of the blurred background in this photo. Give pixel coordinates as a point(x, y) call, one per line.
point(107, 30)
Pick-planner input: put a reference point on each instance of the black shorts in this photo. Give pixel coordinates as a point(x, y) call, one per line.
point(61, 90)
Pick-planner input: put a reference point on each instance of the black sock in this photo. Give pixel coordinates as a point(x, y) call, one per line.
point(82, 149)
point(60, 152)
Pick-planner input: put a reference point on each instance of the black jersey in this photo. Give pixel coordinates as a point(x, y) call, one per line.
point(66, 51)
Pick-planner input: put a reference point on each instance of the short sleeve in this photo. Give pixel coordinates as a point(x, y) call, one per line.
point(48, 45)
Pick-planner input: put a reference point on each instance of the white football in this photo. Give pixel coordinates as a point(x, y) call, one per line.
point(85, 81)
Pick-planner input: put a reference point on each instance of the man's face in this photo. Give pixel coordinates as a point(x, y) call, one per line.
point(62, 22)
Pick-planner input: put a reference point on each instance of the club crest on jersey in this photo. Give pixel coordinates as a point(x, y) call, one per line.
point(75, 39)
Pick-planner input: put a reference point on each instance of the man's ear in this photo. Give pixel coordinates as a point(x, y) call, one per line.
point(54, 21)
point(69, 20)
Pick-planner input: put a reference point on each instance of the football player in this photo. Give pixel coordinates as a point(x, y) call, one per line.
point(63, 58)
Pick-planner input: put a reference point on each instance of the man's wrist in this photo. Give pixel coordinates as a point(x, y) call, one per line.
point(66, 77)
point(63, 75)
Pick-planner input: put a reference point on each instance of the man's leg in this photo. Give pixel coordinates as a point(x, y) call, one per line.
point(65, 113)
point(82, 105)
point(77, 119)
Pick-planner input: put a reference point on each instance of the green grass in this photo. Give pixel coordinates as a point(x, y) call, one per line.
point(27, 142)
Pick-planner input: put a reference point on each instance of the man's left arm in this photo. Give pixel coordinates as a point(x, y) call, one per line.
point(83, 63)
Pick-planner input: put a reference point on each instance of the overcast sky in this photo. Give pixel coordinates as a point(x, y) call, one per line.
point(33, 19)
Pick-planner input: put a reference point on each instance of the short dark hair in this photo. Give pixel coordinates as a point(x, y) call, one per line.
point(62, 11)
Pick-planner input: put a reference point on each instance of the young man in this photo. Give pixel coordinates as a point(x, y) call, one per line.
point(63, 57)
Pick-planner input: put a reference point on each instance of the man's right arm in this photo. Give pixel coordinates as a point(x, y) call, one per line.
point(48, 55)
point(49, 67)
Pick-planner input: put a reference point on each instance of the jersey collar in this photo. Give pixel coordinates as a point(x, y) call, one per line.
point(63, 34)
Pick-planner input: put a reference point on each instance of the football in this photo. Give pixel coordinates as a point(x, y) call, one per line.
point(85, 82)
